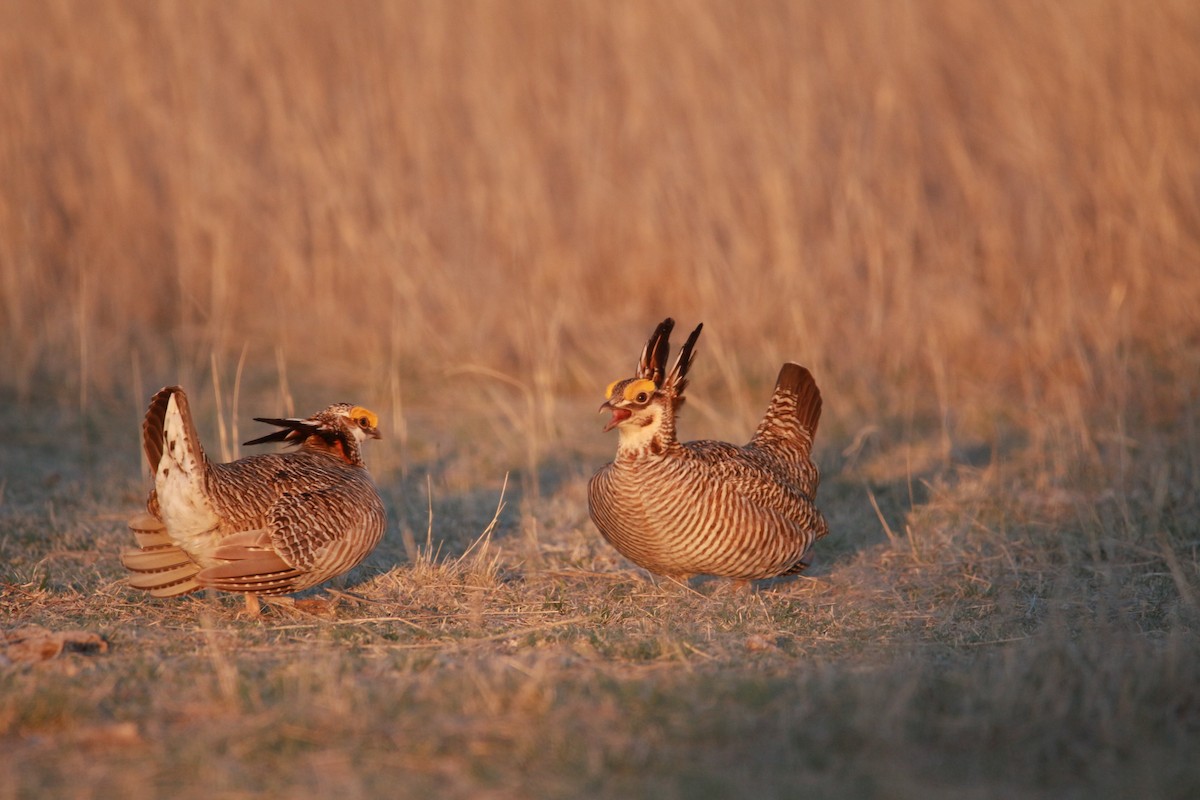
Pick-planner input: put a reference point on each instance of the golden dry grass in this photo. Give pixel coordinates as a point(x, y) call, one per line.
point(979, 225)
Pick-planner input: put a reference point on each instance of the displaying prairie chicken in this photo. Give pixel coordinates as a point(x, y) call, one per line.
point(706, 507)
point(265, 524)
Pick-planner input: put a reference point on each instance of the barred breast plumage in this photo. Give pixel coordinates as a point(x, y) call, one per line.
point(266, 524)
point(706, 507)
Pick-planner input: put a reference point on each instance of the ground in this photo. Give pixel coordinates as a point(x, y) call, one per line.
point(977, 644)
point(977, 224)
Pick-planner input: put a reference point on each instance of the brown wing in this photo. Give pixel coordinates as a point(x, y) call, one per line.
point(253, 566)
point(329, 531)
point(311, 536)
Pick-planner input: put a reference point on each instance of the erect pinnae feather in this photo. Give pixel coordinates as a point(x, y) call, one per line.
point(294, 431)
point(678, 380)
point(652, 364)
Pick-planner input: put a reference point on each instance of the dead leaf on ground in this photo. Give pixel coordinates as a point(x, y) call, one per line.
point(318, 606)
point(34, 643)
point(116, 735)
point(757, 643)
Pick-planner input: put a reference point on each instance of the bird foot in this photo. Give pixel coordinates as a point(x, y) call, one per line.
point(255, 603)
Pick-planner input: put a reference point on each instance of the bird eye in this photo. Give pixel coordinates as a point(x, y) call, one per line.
point(364, 422)
point(641, 397)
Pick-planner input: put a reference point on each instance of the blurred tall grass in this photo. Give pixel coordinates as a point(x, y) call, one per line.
point(985, 211)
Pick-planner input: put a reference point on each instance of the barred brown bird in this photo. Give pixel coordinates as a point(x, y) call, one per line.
point(706, 507)
point(266, 524)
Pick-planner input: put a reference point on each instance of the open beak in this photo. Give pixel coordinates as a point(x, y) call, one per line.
point(619, 415)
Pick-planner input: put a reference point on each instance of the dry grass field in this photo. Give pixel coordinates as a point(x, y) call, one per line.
point(977, 223)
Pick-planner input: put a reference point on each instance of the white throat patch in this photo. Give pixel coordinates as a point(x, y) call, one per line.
point(638, 431)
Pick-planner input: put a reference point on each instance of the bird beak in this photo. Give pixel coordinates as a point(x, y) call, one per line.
point(619, 415)
point(373, 433)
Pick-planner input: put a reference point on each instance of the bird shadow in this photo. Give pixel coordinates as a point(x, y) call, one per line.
point(869, 490)
point(879, 481)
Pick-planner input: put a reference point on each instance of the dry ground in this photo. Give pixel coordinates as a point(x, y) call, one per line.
point(1004, 640)
point(979, 225)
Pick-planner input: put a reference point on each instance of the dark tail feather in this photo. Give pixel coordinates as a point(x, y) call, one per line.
point(653, 363)
point(153, 426)
point(792, 417)
point(799, 381)
point(678, 378)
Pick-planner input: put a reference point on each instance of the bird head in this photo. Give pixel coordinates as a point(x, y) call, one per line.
point(361, 423)
point(634, 402)
point(339, 430)
point(643, 407)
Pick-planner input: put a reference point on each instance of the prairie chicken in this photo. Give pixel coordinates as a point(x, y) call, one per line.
point(706, 507)
point(265, 524)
